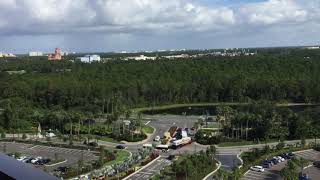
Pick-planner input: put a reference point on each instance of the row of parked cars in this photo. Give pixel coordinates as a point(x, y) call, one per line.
point(32, 160)
point(273, 161)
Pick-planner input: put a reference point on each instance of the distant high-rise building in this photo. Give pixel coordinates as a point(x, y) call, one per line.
point(55, 57)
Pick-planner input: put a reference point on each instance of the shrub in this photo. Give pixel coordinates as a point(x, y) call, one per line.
point(280, 145)
point(3, 135)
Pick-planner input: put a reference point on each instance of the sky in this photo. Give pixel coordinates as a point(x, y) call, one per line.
point(137, 25)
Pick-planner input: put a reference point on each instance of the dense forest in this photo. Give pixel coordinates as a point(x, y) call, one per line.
point(285, 76)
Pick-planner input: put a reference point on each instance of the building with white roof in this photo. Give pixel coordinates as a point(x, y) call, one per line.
point(90, 58)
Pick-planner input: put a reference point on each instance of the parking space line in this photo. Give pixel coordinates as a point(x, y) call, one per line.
point(308, 152)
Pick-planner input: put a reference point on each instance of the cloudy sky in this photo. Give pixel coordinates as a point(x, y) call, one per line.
point(115, 25)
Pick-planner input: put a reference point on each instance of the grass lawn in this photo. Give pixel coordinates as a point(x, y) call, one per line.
point(120, 156)
point(245, 143)
point(213, 126)
point(184, 105)
point(147, 129)
point(108, 139)
point(169, 106)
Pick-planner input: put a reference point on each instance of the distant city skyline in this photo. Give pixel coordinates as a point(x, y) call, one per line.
point(147, 25)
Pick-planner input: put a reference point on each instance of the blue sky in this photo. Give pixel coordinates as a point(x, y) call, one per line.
point(116, 25)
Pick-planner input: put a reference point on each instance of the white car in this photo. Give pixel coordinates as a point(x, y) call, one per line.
point(36, 159)
point(278, 159)
point(257, 168)
point(157, 138)
point(50, 135)
point(21, 158)
point(281, 158)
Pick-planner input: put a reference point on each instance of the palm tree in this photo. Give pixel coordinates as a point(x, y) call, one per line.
point(302, 163)
point(236, 175)
point(221, 175)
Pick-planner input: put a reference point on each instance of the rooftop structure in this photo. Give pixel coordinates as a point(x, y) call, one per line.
point(12, 169)
point(55, 57)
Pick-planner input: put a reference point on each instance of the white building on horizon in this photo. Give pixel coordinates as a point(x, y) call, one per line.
point(90, 58)
point(35, 53)
point(141, 58)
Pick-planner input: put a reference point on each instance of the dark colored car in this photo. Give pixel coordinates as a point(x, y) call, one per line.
point(290, 154)
point(266, 165)
point(275, 161)
point(93, 144)
point(120, 147)
point(29, 160)
point(62, 169)
point(304, 177)
point(171, 157)
point(316, 164)
point(43, 161)
point(285, 156)
point(268, 162)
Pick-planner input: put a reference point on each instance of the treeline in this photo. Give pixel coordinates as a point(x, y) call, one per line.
point(102, 87)
point(261, 122)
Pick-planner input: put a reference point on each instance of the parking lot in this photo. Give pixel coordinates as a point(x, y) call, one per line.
point(71, 156)
point(151, 170)
point(271, 173)
point(310, 155)
point(274, 171)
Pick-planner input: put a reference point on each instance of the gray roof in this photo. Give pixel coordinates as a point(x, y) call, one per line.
point(21, 171)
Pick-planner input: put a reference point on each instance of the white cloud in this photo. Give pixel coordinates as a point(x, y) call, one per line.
point(154, 17)
point(274, 11)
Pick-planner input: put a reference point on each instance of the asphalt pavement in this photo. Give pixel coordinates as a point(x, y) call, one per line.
point(151, 169)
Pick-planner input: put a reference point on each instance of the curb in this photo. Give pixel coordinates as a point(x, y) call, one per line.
point(56, 163)
point(238, 156)
point(308, 166)
point(301, 151)
point(210, 174)
point(145, 166)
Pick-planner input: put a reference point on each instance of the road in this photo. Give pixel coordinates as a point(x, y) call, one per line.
point(150, 169)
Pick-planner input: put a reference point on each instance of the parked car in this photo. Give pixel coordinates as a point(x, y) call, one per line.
point(29, 160)
point(281, 158)
point(257, 168)
point(316, 164)
point(25, 159)
point(304, 177)
point(171, 157)
point(42, 161)
point(275, 161)
point(93, 144)
point(286, 156)
point(33, 161)
point(120, 147)
point(290, 154)
point(157, 138)
point(268, 161)
point(62, 169)
point(266, 165)
point(21, 158)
